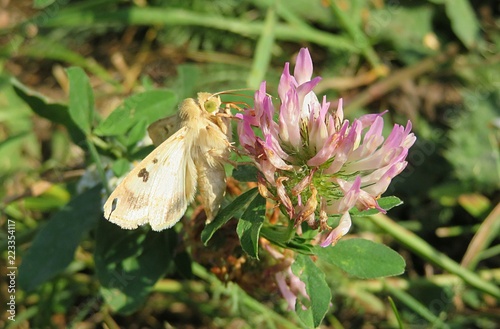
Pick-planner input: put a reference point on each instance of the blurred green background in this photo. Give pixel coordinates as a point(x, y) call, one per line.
point(434, 62)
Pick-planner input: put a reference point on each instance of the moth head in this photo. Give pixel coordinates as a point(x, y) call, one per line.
point(209, 102)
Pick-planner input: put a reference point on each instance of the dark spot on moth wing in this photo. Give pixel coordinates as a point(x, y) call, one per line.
point(113, 204)
point(144, 174)
point(135, 200)
point(113, 207)
point(155, 160)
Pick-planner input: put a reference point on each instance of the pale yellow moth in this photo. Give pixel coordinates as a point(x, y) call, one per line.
point(160, 188)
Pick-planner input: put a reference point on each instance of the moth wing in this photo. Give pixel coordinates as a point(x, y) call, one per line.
point(158, 190)
point(160, 130)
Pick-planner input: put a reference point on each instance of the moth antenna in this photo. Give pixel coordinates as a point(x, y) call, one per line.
point(232, 91)
point(235, 105)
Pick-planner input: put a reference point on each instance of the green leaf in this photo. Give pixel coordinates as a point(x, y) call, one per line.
point(9, 160)
point(46, 47)
point(137, 132)
point(148, 106)
point(81, 99)
point(245, 173)
point(386, 203)
point(278, 233)
point(406, 30)
point(53, 198)
point(300, 245)
point(285, 237)
point(475, 160)
point(129, 263)
point(183, 265)
point(121, 167)
point(237, 206)
point(188, 77)
point(463, 21)
point(54, 246)
point(19, 141)
point(40, 4)
point(362, 258)
point(57, 113)
point(317, 289)
point(249, 226)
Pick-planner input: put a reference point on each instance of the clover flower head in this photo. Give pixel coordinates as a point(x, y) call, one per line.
point(314, 162)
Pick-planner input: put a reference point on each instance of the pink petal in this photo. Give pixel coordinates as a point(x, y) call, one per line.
point(274, 158)
point(351, 193)
point(289, 120)
point(246, 134)
point(303, 67)
point(367, 119)
point(337, 233)
point(287, 82)
point(325, 153)
point(339, 114)
point(296, 285)
point(289, 296)
point(366, 201)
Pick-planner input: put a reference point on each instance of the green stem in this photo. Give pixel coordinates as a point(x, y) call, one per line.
point(246, 300)
point(41, 47)
point(97, 160)
point(393, 81)
point(452, 231)
point(359, 38)
point(416, 306)
point(289, 16)
point(490, 252)
point(484, 236)
point(439, 280)
point(263, 50)
point(179, 17)
point(427, 252)
point(396, 313)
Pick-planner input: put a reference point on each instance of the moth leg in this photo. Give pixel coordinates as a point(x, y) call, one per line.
point(216, 157)
point(235, 106)
point(224, 115)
